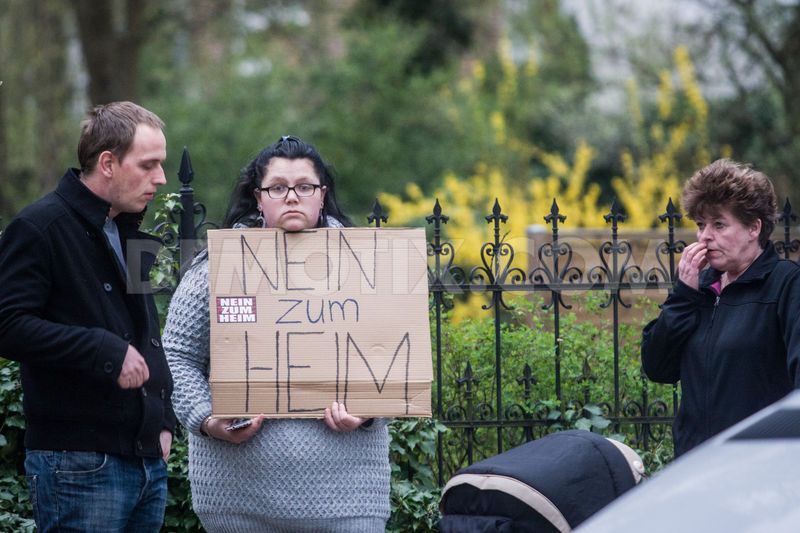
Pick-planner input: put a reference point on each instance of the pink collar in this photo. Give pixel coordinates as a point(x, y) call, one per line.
point(717, 286)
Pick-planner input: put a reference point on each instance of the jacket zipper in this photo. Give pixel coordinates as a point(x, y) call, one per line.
point(714, 311)
point(708, 364)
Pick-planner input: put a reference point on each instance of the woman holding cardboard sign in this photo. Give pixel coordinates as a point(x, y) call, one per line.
point(278, 474)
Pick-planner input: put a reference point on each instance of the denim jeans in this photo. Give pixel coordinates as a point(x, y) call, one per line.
point(91, 491)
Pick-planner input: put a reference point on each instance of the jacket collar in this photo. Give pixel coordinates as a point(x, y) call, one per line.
point(90, 206)
point(759, 269)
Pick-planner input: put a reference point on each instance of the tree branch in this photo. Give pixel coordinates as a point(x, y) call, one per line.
point(754, 26)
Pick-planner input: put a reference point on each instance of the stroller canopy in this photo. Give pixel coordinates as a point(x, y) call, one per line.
point(551, 484)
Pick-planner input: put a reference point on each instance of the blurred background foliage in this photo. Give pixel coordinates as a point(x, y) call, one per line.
point(467, 101)
point(462, 100)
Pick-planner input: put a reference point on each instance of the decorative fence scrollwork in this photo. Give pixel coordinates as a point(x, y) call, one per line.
point(487, 413)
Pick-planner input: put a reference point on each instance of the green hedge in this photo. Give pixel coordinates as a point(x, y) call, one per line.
point(527, 339)
point(414, 503)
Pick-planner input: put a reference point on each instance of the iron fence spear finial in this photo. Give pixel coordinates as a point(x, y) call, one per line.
point(787, 246)
point(186, 173)
point(615, 214)
point(497, 215)
point(672, 214)
point(787, 214)
point(555, 215)
point(377, 214)
point(528, 380)
point(187, 229)
point(437, 216)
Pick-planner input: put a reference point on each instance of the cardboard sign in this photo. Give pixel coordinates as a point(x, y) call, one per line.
point(299, 320)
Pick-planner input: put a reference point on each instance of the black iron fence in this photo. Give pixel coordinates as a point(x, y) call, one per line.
point(490, 412)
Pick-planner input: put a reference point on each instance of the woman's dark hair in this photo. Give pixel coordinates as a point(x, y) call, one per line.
point(243, 206)
point(724, 184)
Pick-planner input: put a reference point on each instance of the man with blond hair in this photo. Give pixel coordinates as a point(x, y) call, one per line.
point(76, 313)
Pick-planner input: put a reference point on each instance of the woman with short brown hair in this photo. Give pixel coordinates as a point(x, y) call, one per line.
point(730, 329)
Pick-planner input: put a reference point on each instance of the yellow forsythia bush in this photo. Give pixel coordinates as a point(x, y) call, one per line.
point(665, 152)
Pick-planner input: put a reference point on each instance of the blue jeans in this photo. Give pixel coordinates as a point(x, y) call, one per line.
point(91, 491)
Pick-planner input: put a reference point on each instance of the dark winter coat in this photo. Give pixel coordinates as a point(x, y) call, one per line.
point(68, 314)
point(734, 353)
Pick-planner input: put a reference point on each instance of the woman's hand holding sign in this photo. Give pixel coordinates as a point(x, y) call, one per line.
point(231, 429)
point(337, 419)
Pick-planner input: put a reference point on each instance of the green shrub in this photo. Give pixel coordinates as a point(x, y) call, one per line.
point(179, 515)
point(587, 378)
point(415, 493)
point(15, 509)
point(527, 340)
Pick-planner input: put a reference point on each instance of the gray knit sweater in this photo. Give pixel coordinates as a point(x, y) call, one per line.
point(294, 475)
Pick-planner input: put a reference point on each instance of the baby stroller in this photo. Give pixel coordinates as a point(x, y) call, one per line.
point(548, 485)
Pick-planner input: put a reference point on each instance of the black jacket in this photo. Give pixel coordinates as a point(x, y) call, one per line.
point(67, 315)
point(733, 354)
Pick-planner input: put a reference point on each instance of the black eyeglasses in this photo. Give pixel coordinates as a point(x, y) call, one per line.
point(279, 192)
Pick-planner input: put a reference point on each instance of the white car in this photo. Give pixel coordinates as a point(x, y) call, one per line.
point(746, 479)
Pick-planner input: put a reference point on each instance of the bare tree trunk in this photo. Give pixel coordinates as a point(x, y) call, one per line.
point(111, 38)
point(4, 204)
point(790, 64)
point(34, 101)
point(779, 55)
point(51, 91)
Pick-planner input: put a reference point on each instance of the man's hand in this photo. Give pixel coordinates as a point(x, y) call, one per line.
point(693, 261)
point(337, 419)
point(134, 371)
point(166, 444)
